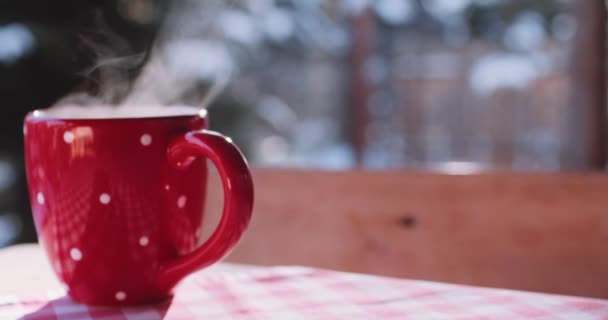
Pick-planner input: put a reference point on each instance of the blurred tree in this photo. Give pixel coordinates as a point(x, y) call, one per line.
point(47, 50)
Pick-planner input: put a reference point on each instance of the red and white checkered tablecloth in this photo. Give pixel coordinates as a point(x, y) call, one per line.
point(312, 294)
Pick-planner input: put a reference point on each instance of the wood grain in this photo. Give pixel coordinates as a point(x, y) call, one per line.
point(540, 232)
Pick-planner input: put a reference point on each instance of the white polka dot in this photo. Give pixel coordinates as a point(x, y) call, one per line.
point(76, 254)
point(68, 137)
point(146, 139)
point(105, 198)
point(40, 198)
point(143, 241)
point(120, 296)
point(181, 201)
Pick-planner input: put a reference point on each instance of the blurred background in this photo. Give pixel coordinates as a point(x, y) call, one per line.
point(452, 85)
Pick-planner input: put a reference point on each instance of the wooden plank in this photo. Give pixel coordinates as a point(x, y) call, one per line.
point(363, 33)
point(586, 117)
point(540, 232)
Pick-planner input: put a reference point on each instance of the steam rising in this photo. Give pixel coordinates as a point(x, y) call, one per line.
point(187, 64)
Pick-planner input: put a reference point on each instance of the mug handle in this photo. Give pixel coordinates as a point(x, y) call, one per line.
point(238, 200)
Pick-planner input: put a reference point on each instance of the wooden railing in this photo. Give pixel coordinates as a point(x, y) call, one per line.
point(540, 232)
point(569, 102)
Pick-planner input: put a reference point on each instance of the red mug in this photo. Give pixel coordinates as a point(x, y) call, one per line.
point(118, 198)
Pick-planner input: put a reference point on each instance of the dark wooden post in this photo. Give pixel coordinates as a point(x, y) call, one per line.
point(585, 134)
point(363, 43)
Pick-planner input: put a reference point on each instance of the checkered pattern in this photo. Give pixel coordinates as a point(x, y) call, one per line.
point(301, 293)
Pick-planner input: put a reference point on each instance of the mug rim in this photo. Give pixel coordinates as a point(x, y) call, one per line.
point(168, 112)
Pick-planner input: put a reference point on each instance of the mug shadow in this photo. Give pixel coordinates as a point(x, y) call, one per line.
point(65, 307)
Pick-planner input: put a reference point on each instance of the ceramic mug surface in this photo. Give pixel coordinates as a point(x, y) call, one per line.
point(118, 197)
